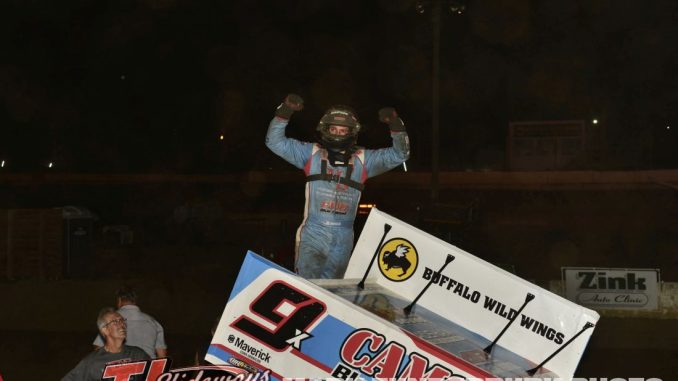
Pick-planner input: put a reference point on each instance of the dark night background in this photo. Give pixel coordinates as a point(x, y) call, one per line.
point(153, 115)
point(150, 85)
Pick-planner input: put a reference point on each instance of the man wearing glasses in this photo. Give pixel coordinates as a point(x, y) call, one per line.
point(143, 330)
point(113, 328)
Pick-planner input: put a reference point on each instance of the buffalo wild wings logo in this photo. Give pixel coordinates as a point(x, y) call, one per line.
point(398, 259)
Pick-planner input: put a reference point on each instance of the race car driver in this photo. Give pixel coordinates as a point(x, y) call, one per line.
point(336, 170)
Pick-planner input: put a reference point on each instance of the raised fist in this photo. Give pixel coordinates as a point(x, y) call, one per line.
point(292, 103)
point(389, 116)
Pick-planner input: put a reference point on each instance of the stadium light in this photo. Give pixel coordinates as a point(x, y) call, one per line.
point(364, 209)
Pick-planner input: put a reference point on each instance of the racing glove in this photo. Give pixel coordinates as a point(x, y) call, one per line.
point(389, 116)
point(292, 103)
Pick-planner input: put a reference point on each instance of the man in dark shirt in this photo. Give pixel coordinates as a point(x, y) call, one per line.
point(113, 329)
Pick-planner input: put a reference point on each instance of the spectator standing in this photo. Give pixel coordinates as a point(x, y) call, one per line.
point(143, 330)
point(113, 329)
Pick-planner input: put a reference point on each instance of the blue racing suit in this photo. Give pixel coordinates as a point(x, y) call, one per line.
point(325, 237)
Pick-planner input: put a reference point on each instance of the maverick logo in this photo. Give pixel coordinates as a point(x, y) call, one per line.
point(398, 259)
point(252, 351)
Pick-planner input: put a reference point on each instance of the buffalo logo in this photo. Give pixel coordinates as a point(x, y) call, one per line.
point(398, 259)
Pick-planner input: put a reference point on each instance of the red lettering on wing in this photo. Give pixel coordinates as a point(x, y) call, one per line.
point(387, 361)
point(355, 342)
point(123, 372)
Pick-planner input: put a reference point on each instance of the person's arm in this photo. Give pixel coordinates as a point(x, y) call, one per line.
point(292, 150)
point(160, 346)
point(385, 159)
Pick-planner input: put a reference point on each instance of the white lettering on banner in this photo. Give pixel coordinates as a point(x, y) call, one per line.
point(477, 379)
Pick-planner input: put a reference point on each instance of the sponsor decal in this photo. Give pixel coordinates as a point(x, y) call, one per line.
point(366, 352)
point(159, 370)
point(334, 207)
point(398, 259)
point(241, 364)
point(613, 288)
point(491, 304)
point(290, 311)
point(249, 350)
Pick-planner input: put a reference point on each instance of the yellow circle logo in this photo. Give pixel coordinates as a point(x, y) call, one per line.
point(398, 259)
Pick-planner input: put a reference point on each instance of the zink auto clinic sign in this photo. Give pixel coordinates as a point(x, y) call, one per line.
point(606, 288)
